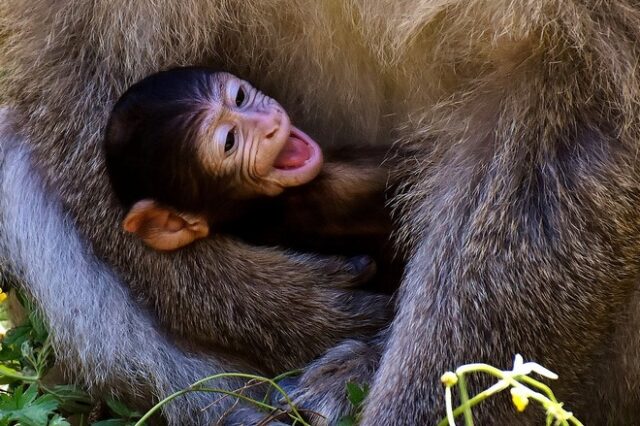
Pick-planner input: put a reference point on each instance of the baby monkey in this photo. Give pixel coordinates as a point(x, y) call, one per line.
point(193, 150)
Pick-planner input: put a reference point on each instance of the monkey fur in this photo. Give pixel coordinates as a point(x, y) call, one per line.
point(517, 208)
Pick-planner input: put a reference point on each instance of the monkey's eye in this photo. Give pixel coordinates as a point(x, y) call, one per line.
point(230, 142)
point(240, 97)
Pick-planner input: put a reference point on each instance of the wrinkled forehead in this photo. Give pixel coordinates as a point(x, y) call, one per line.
point(214, 101)
point(218, 82)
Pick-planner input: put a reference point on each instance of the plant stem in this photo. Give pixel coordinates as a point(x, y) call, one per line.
point(498, 387)
point(533, 382)
point(195, 387)
point(4, 371)
point(449, 405)
point(464, 399)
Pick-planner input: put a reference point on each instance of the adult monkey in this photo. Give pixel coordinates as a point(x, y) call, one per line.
point(519, 214)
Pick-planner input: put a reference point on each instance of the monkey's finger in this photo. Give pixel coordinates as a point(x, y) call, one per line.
point(288, 385)
point(351, 272)
point(363, 268)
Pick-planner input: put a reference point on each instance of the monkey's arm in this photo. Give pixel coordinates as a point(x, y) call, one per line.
point(347, 199)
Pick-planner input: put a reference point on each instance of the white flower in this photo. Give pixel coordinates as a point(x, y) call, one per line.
point(526, 368)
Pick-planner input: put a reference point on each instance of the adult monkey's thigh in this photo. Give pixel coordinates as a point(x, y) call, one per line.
point(524, 224)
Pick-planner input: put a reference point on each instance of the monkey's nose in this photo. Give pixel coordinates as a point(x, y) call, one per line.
point(272, 133)
point(266, 122)
point(270, 124)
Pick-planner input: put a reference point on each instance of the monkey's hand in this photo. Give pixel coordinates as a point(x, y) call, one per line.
point(357, 270)
point(321, 392)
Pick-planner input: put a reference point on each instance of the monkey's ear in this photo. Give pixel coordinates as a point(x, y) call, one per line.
point(163, 228)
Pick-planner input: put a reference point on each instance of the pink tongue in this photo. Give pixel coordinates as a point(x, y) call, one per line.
point(293, 155)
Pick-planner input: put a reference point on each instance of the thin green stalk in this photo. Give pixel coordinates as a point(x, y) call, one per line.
point(498, 387)
point(6, 372)
point(237, 395)
point(278, 378)
point(533, 382)
point(480, 368)
point(449, 406)
point(464, 398)
point(149, 413)
point(195, 387)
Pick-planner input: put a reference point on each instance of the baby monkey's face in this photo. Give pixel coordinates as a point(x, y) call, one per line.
point(248, 138)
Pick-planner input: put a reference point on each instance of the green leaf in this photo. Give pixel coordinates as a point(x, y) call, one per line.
point(72, 399)
point(39, 327)
point(26, 408)
point(26, 349)
point(356, 393)
point(30, 394)
point(16, 335)
point(58, 421)
point(12, 342)
point(7, 371)
point(6, 380)
point(15, 375)
point(121, 409)
point(346, 421)
point(24, 355)
point(112, 422)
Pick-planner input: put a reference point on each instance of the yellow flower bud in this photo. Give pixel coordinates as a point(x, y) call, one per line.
point(3, 296)
point(449, 378)
point(519, 398)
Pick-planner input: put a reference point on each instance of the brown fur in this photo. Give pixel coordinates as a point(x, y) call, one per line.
point(519, 209)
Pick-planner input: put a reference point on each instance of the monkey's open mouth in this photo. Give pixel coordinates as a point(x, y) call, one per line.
point(298, 151)
point(299, 161)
